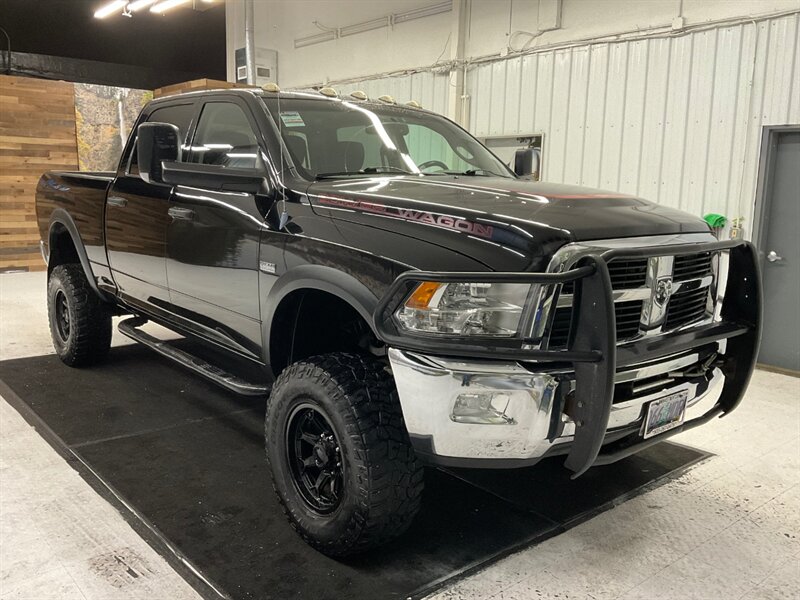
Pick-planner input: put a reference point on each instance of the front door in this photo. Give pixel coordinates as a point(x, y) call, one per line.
point(136, 222)
point(779, 246)
point(213, 236)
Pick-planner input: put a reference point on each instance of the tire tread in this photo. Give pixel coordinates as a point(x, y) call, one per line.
point(391, 476)
point(91, 339)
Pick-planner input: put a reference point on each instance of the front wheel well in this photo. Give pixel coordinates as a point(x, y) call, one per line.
point(310, 322)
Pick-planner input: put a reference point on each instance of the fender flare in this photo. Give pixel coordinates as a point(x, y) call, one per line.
point(62, 217)
point(317, 277)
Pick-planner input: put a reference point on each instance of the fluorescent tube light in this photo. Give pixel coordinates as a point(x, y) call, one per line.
point(108, 9)
point(325, 36)
point(166, 5)
point(425, 11)
point(139, 4)
point(364, 26)
point(377, 23)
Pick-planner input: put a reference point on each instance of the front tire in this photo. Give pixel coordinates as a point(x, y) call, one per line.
point(80, 322)
point(342, 464)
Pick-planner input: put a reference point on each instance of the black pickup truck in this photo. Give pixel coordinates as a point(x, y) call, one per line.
point(402, 297)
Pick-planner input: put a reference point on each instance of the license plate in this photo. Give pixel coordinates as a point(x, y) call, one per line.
point(665, 414)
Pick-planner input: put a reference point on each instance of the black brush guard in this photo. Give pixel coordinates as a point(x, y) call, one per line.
point(593, 350)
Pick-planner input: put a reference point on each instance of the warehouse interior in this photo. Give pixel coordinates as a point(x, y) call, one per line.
point(593, 134)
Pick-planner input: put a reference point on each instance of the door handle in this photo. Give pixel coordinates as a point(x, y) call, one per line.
point(772, 256)
point(181, 214)
point(116, 201)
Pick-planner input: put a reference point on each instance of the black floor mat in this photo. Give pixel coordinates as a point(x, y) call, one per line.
point(188, 457)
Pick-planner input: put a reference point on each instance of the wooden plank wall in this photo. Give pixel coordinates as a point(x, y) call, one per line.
point(37, 134)
point(195, 85)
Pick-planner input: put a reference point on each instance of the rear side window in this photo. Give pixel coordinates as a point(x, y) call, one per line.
point(224, 138)
point(179, 115)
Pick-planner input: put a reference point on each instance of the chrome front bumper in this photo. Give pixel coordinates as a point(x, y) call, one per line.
point(531, 422)
point(587, 400)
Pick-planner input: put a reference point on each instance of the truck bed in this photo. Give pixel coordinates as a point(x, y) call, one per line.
point(78, 197)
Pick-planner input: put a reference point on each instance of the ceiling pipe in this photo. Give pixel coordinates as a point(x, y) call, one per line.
point(250, 41)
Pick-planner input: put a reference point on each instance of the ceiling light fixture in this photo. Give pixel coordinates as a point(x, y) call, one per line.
point(139, 4)
point(166, 5)
point(315, 39)
point(108, 9)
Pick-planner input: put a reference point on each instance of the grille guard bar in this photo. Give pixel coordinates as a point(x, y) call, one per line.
point(593, 350)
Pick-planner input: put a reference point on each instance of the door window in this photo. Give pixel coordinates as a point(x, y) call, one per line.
point(224, 138)
point(179, 115)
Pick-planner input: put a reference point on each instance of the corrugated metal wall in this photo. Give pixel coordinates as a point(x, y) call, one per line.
point(676, 120)
point(429, 89)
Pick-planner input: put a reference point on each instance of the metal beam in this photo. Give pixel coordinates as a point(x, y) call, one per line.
point(458, 108)
point(250, 41)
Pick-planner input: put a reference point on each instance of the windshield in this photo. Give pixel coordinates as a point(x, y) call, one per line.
point(341, 139)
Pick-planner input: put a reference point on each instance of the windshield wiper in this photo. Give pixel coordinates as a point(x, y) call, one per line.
point(336, 174)
point(468, 173)
point(386, 170)
point(479, 172)
point(364, 171)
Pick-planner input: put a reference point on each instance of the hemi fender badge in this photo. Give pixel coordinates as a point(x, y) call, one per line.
point(268, 267)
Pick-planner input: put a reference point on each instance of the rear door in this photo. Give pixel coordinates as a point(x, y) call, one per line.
point(137, 219)
point(213, 236)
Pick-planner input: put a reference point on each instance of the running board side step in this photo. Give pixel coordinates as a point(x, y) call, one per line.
point(130, 328)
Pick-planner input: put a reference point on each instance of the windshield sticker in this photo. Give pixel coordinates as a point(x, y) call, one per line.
point(292, 118)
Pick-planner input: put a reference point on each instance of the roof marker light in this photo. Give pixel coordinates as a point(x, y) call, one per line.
point(414, 104)
point(271, 87)
point(359, 95)
point(387, 99)
point(329, 92)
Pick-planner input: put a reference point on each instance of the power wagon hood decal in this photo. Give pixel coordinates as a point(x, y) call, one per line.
point(504, 223)
point(420, 216)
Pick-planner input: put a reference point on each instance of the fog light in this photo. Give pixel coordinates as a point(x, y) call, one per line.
point(482, 408)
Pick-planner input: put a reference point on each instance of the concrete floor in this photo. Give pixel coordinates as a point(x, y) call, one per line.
point(728, 528)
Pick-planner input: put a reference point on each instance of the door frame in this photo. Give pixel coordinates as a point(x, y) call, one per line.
point(766, 168)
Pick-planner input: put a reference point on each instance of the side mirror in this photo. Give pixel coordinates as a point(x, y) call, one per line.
point(526, 161)
point(156, 143)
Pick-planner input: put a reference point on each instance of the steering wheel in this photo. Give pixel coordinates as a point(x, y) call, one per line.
point(432, 163)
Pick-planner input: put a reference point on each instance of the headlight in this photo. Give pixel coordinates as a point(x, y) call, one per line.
point(487, 309)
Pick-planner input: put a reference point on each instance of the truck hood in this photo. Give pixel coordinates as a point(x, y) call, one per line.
point(506, 224)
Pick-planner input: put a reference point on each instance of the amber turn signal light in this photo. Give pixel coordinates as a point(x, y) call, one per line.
point(421, 296)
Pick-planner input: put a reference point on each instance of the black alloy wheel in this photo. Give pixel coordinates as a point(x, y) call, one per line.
point(80, 321)
point(62, 316)
point(342, 464)
point(315, 459)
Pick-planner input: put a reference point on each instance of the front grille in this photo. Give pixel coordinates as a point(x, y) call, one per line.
point(625, 274)
point(559, 332)
point(685, 306)
point(692, 266)
point(628, 274)
point(628, 315)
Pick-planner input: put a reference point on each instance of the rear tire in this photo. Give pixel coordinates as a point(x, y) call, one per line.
point(80, 322)
point(335, 421)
